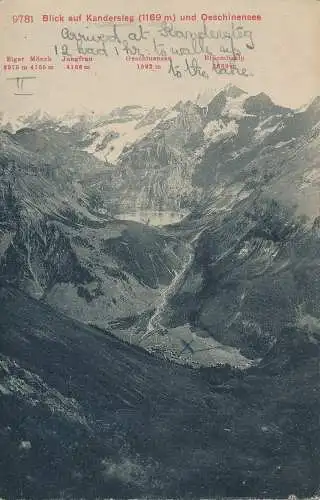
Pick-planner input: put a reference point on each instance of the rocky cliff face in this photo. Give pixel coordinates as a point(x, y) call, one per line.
point(57, 248)
point(197, 147)
point(255, 271)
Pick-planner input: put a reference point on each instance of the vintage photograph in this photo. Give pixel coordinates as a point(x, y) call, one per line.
point(159, 250)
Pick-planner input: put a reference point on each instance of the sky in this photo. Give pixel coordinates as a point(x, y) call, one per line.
point(284, 62)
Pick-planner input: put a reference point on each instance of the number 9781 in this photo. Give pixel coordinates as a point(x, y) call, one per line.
point(22, 18)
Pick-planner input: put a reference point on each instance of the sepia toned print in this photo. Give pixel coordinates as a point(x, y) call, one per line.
point(159, 249)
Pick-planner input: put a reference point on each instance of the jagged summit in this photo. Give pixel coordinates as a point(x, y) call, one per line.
point(260, 103)
point(315, 104)
point(233, 91)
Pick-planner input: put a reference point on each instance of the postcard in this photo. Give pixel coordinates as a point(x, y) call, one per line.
point(159, 249)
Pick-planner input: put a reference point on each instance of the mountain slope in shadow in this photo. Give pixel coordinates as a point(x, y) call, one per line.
point(85, 415)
